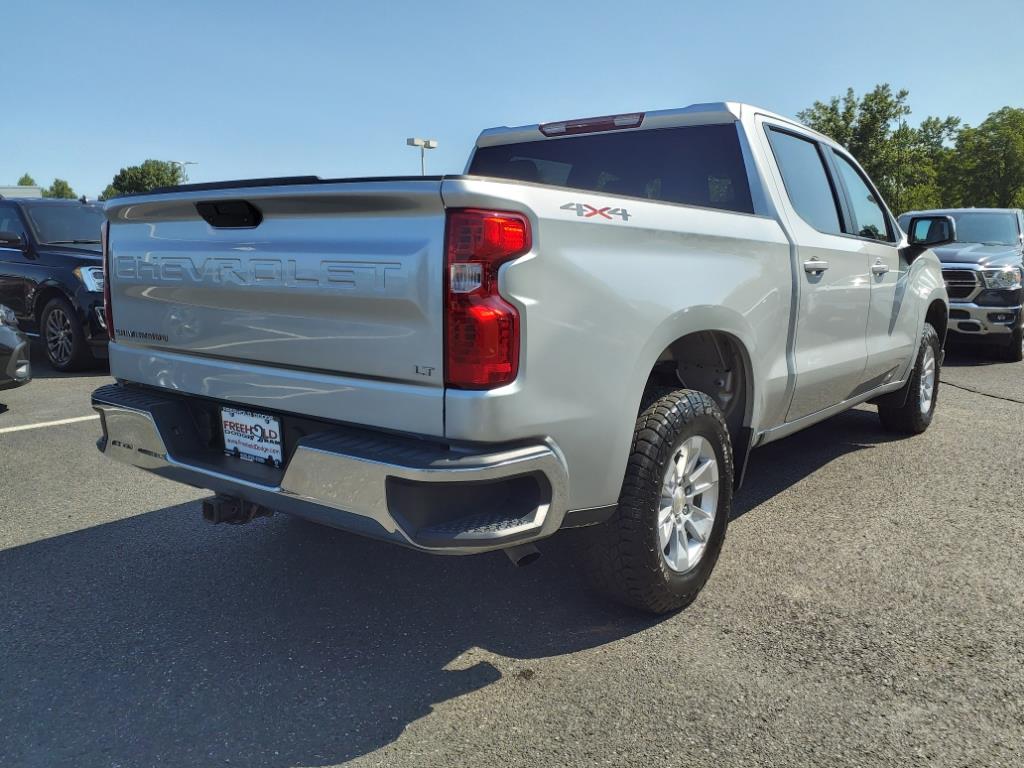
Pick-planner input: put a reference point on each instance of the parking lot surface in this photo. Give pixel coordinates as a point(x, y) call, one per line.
point(868, 609)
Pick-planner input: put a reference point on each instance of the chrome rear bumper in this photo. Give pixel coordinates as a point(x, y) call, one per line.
point(448, 499)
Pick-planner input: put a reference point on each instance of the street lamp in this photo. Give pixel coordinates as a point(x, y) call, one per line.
point(424, 145)
point(181, 164)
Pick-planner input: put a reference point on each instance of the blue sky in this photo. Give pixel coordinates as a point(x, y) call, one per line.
point(259, 88)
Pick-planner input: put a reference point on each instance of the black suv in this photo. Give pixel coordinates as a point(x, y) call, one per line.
point(51, 276)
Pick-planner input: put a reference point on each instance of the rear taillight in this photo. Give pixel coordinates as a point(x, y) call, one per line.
point(481, 328)
point(108, 315)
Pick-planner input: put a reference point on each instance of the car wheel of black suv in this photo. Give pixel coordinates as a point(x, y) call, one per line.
point(922, 393)
point(63, 337)
point(1014, 352)
point(661, 544)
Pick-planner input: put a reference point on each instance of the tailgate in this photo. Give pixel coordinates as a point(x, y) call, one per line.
point(330, 306)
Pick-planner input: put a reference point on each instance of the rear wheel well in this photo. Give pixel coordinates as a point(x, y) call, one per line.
point(938, 318)
point(715, 363)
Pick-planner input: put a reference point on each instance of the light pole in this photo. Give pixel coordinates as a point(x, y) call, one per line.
point(424, 145)
point(181, 164)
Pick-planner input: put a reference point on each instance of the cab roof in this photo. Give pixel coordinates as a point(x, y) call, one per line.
point(694, 114)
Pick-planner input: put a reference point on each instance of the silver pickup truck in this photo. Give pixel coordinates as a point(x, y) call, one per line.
point(592, 327)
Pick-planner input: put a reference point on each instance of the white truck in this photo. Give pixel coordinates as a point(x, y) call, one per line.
point(592, 327)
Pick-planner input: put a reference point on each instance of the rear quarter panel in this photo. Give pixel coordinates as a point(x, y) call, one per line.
point(601, 299)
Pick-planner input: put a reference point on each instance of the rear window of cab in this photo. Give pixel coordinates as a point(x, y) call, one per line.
point(693, 165)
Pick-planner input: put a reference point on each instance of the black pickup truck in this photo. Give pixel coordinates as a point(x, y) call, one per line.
point(983, 269)
point(51, 276)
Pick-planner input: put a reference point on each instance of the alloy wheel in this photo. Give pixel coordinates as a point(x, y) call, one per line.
point(688, 504)
point(927, 379)
point(59, 337)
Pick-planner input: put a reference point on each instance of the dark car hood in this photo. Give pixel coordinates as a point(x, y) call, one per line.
point(73, 254)
point(982, 255)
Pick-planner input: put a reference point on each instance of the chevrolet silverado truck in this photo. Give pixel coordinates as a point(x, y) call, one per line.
point(591, 327)
point(983, 270)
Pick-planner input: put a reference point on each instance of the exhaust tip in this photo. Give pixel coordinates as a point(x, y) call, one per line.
point(522, 555)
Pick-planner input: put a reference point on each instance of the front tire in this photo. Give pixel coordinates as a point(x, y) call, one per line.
point(918, 409)
point(63, 337)
point(661, 544)
point(1014, 352)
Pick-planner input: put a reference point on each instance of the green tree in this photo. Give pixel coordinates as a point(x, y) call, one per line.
point(142, 178)
point(925, 163)
point(988, 167)
point(26, 181)
point(906, 163)
point(60, 189)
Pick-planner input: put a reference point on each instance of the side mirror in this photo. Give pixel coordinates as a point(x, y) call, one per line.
point(931, 231)
point(926, 232)
point(11, 240)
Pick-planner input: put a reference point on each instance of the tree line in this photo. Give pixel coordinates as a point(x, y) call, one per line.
point(940, 163)
point(131, 180)
point(59, 188)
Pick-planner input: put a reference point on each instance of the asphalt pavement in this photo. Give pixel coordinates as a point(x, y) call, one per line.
point(867, 609)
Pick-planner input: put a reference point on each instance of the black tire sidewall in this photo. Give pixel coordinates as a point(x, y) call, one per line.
point(622, 557)
point(688, 583)
point(929, 338)
point(912, 419)
point(1012, 353)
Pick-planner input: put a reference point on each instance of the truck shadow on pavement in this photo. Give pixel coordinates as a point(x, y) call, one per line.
point(777, 466)
point(159, 639)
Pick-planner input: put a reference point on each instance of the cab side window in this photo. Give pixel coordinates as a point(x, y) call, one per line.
point(869, 220)
point(807, 183)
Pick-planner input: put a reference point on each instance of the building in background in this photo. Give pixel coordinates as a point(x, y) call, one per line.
point(21, 191)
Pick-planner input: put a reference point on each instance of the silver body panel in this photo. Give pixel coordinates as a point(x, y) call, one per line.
point(334, 296)
point(599, 301)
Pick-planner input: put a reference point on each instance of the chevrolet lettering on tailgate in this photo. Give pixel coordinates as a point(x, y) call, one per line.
point(364, 277)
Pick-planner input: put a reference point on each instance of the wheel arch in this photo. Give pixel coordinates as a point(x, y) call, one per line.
point(709, 351)
point(937, 315)
point(42, 296)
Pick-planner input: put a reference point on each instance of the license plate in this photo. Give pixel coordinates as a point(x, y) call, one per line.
point(251, 436)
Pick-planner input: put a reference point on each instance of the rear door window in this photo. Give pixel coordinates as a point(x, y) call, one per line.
point(807, 183)
point(694, 165)
point(869, 218)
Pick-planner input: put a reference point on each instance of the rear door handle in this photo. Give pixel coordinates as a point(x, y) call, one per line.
point(879, 268)
point(815, 267)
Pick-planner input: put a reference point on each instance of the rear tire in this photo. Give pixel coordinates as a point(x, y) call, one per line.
point(916, 413)
point(661, 544)
point(1014, 353)
point(63, 337)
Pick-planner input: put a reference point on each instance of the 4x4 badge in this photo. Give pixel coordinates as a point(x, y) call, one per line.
point(589, 211)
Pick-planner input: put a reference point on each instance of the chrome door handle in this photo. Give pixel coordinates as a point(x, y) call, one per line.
point(815, 267)
point(878, 268)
